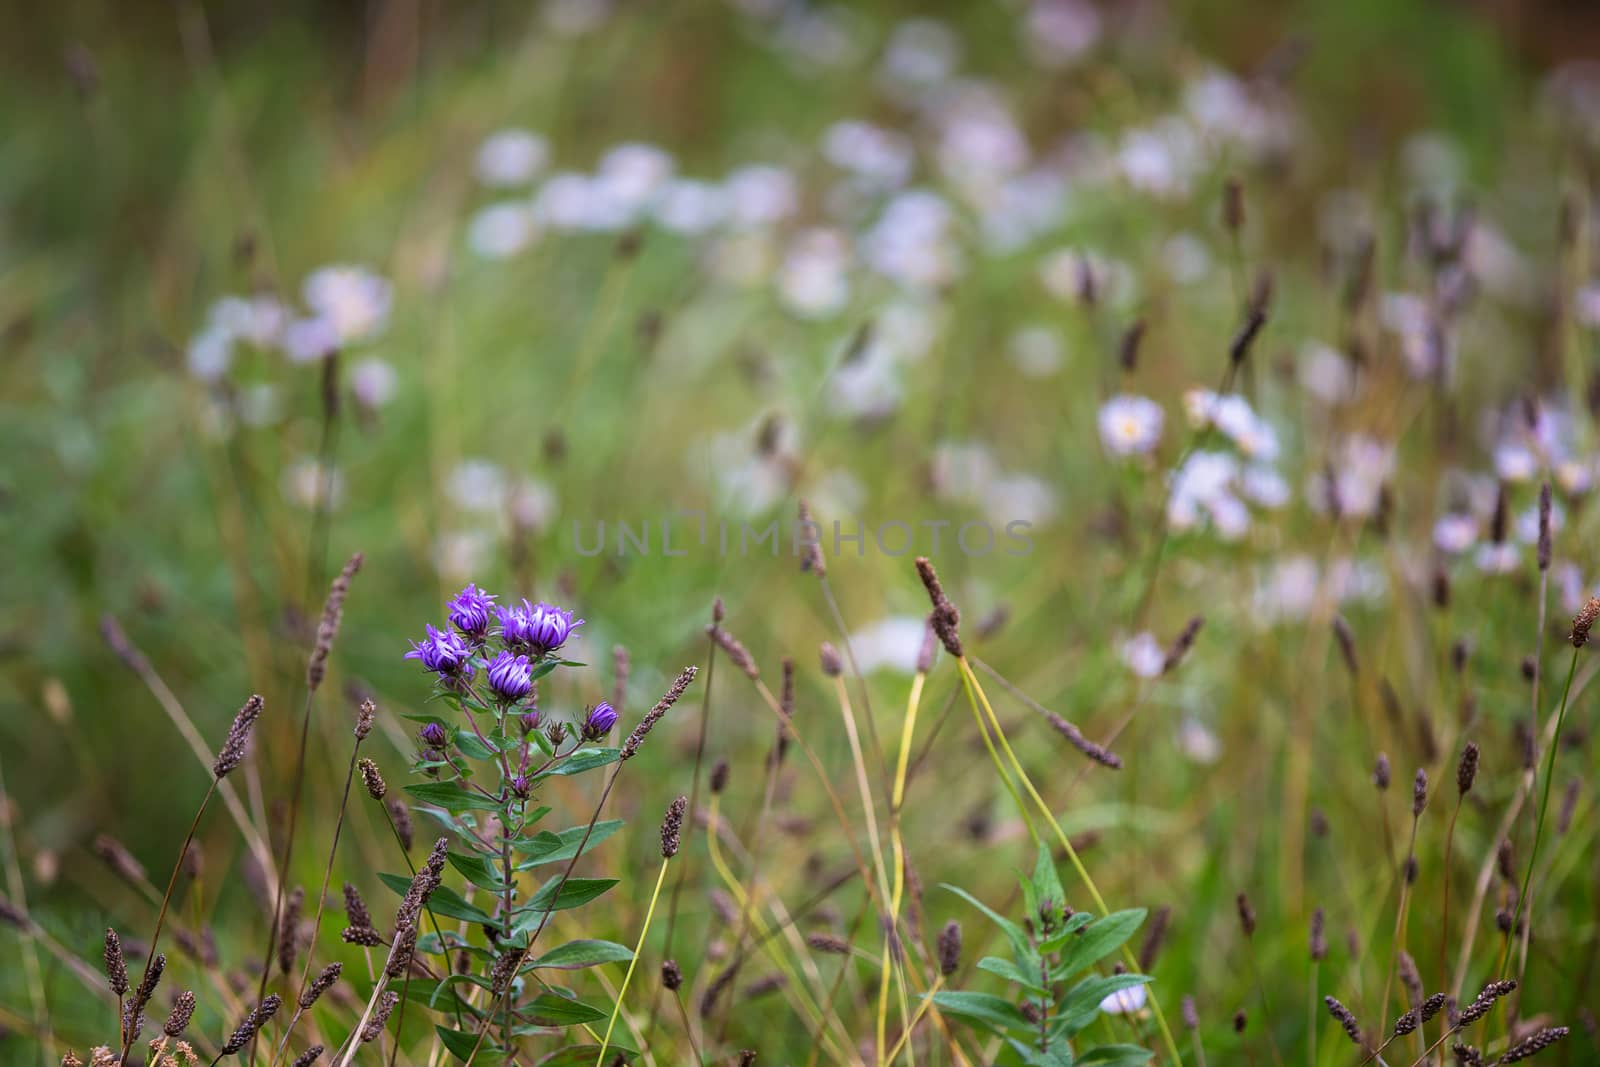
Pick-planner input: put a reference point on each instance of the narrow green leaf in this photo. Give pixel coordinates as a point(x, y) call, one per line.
point(552, 847)
point(477, 870)
point(584, 1056)
point(583, 953)
point(1012, 973)
point(558, 896)
point(552, 1009)
point(452, 797)
point(1116, 1056)
point(585, 759)
point(996, 1013)
point(1100, 938)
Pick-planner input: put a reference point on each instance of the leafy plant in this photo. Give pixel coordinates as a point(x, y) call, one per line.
point(1059, 992)
point(487, 760)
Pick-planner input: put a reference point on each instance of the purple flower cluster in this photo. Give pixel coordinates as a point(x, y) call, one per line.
point(536, 629)
point(444, 652)
point(527, 632)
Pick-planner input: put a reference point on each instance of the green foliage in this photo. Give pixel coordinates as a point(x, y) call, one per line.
point(1042, 1020)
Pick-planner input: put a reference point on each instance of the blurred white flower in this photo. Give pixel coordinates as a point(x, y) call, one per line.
point(882, 156)
point(258, 320)
point(533, 505)
point(1575, 476)
point(892, 643)
point(210, 354)
point(308, 484)
point(1143, 654)
point(308, 340)
point(1019, 498)
point(372, 381)
point(632, 173)
point(1503, 558)
point(1161, 160)
point(1198, 742)
point(921, 52)
point(1361, 467)
point(501, 230)
point(911, 242)
point(1130, 425)
point(760, 195)
point(1058, 32)
point(1036, 351)
point(1085, 276)
point(1327, 374)
point(353, 300)
point(1454, 533)
point(690, 207)
point(511, 157)
point(813, 279)
point(1515, 462)
point(1124, 1001)
point(1586, 304)
point(477, 485)
point(1265, 486)
point(1527, 524)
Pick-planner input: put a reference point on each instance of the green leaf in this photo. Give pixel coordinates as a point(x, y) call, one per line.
point(556, 895)
point(1045, 886)
point(583, 953)
point(584, 1056)
point(1013, 932)
point(461, 1042)
point(995, 1013)
point(1116, 1056)
point(553, 1009)
point(477, 871)
point(1013, 973)
point(445, 902)
point(550, 847)
point(585, 759)
point(452, 797)
point(1099, 939)
point(473, 748)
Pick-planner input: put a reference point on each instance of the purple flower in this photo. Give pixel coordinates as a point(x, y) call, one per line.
point(537, 629)
point(469, 611)
point(601, 718)
point(510, 677)
point(521, 786)
point(442, 652)
point(530, 721)
point(433, 735)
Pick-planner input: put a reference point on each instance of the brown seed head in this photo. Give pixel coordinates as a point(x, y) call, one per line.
point(950, 948)
point(372, 778)
point(672, 827)
point(1583, 622)
point(233, 747)
point(328, 627)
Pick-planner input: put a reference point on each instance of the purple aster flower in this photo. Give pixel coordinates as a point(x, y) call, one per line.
point(530, 721)
point(601, 718)
point(469, 611)
point(510, 677)
point(521, 786)
point(537, 629)
point(433, 735)
point(442, 652)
